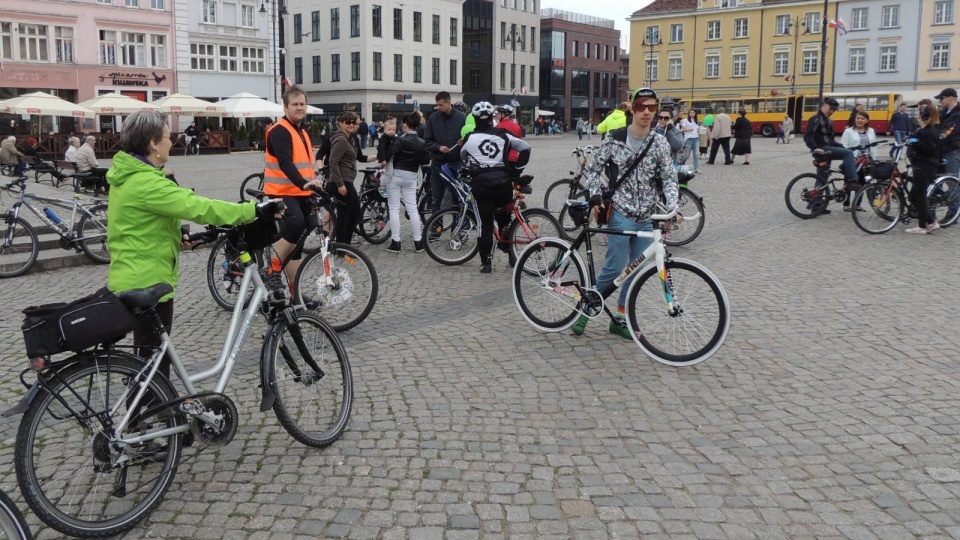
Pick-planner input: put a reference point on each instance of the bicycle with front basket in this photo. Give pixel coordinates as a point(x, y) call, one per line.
point(676, 309)
point(85, 230)
point(103, 431)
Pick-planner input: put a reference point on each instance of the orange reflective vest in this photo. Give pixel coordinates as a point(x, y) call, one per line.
point(274, 181)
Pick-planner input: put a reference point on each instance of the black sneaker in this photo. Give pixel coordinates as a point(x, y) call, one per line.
point(418, 246)
point(394, 247)
point(486, 267)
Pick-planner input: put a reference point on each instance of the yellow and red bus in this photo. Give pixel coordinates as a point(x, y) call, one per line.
point(765, 114)
point(879, 105)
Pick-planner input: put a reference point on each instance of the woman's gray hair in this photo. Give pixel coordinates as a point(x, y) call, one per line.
point(12, 138)
point(139, 129)
point(90, 139)
point(73, 140)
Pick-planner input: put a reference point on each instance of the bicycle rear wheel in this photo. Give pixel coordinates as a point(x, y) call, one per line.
point(807, 196)
point(567, 227)
point(690, 207)
point(345, 296)
point(92, 234)
point(70, 471)
point(452, 236)
point(312, 406)
point(225, 274)
point(12, 524)
point(944, 200)
point(254, 181)
point(546, 284)
point(19, 247)
point(374, 224)
point(558, 193)
point(539, 224)
point(881, 205)
point(698, 323)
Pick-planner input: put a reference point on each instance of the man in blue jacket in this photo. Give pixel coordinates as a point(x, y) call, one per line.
point(442, 135)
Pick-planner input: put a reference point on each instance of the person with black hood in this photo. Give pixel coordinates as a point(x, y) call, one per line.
point(923, 150)
point(441, 136)
point(488, 149)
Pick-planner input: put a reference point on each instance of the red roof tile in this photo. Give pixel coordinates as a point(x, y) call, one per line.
point(667, 6)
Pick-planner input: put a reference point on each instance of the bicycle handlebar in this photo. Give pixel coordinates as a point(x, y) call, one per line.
point(653, 217)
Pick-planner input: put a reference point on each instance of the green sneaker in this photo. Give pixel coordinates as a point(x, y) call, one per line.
point(619, 326)
point(580, 325)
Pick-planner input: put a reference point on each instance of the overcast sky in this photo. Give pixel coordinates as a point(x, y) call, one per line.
point(617, 10)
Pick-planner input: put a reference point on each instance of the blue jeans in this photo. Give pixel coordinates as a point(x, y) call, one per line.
point(952, 159)
point(438, 184)
point(622, 250)
point(899, 136)
point(849, 166)
point(694, 146)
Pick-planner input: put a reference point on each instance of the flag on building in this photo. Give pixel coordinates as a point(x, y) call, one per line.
point(287, 81)
point(840, 26)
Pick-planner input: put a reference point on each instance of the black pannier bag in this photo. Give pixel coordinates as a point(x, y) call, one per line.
point(881, 170)
point(76, 326)
point(258, 234)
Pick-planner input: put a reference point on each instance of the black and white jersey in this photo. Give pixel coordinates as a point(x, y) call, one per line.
point(490, 147)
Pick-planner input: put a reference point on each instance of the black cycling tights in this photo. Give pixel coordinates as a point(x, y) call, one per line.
point(488, 200)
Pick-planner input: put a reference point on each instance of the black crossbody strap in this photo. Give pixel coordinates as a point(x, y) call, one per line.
point(616, 185)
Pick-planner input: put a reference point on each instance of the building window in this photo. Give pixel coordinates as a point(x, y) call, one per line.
point(202, 57)
point(158, 4)
point(355, 21)
point(596, 83)
point(676, 69)
point(34, 45)
point(781, 63)
point(315, 26)
point(810, 62)
point(943, 12)
point(782, 25)
point(316, 68)
point(888, 58)
point(377, 66)
point(533, 41)
point(575, 48)
point(940, 57)
point(63, 42)
point(857, 62)
point(377, 21)
point(454, 32)
point(454, 80)
point(503, 75)
point(334, 68)
point(209, 8)
point(533, 68)
point(812, 22)
point(132, 3)
point(597, 51)
point(676, 33)
point(417, 69)
point(436, 29)
point(297, 28)
point(246, 16)
point(355, 65)
point(397, 24)
point(741, 28)
point(858, 19)
point(6, 40)
point(475, 77)
point(740, 65)
point(513, 77)
point(891, 17)
point(729, 3)
point(298, 70)
point(158, 50)
point(397, 67)
point(133, 49)
point(523, 37)
point(417, 26)
point(713, 66)
point(653, 69)
point(334, 23)
point(435, 64)
point(503, 35)
point(713, 30)
point(253, 60)
point(108, 2)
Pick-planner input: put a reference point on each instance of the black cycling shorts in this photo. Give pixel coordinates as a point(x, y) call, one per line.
point(295, 220)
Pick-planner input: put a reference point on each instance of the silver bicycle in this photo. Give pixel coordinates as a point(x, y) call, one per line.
point(102, 431)
point(83, 227)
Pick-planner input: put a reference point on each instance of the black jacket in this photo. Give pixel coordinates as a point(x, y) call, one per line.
point(742, 128)
point(950, 130)
point(924, 154)
point(443, 130)
point(383, 147)
point(408, 152)
point(820, 132)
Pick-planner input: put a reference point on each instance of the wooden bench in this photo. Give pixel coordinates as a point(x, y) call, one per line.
point(41, 168)
point(81, 180)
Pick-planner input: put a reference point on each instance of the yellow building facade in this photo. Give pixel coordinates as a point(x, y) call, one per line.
point(696, 49)
point(938, 58)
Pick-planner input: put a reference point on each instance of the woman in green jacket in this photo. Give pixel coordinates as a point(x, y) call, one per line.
point(144, 213)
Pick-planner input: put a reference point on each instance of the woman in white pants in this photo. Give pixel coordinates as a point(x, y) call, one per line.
point(407, 153)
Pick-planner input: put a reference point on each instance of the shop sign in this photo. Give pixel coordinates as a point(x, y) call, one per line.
point(117, 78)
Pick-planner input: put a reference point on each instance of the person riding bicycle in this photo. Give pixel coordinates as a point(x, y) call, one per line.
point(143, 218)
point(822, 142)
point(190, 136)
point(487, 149)
point(635, 198)
point(289, 174)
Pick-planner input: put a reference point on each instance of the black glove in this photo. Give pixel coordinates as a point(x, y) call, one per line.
point(268, 209)
point(596, 200)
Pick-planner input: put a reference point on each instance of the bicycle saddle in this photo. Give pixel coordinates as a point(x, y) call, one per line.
point(145, 298)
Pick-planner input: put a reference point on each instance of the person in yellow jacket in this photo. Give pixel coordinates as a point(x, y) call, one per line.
point(615, 120)
point(289, 174)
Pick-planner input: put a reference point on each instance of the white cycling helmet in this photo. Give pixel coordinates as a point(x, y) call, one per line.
point(505, 109)
point(483, 110)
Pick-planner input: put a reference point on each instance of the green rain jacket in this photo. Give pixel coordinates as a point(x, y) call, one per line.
point(143, 223)
point(616, 119)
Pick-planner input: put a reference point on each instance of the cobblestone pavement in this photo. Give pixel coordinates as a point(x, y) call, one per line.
point(830, 412)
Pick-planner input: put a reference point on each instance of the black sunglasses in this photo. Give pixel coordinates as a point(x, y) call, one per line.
point(349, 122)
point(665, 118)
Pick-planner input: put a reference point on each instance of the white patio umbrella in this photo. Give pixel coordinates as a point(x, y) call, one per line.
point(116, 103)
point(314, 110)
point(44, 104)
point(3, 107)
point(246, 105)
point(183, 104)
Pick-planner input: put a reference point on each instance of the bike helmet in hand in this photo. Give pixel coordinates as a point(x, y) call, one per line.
point(505, 109)
point(462, 107)
point(483, 110)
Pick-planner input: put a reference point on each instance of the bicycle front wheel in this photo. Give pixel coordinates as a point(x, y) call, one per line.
point(72, 473)
point(313, 406)
point(806, 196)
point(547, 283)
point(345, 295)
point(538, 223)
point(679, 320)
point(452, 236)
point(374, 224)
point(225, 274)
point(691, 208)
point(12, 524)
point(569, 229)
point(254, 181)
point(877, 207)
point(92, 234)
point(19, 247)
point(944, 200)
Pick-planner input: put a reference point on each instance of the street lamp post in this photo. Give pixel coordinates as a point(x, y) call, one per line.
point(276, 17)
point(514, 38)
point(651, 40)
point(795, 28)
